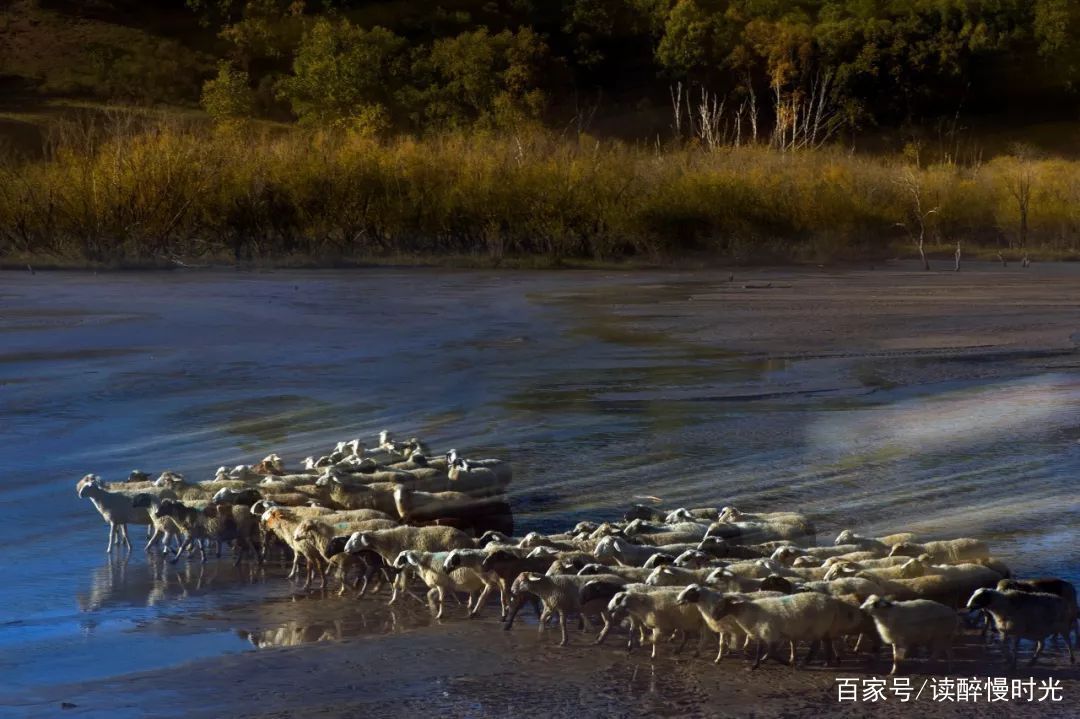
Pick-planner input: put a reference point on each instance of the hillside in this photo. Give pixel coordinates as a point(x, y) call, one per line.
point(884, 73)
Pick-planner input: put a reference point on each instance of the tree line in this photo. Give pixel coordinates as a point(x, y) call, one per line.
point(800, 70)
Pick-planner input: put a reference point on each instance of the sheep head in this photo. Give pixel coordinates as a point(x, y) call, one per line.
point(786, 555)
point(273, 516)
point(526, 582)
point(406, 558)
point(720, 574)
point(169, 507)
point(845, 537)
point(491, 536)
point(682, 514)
point(358, 541)
point(982, 598)
point(728, 514)
point(452, 561)
point(913, 568)
point(714, 543)
point(657, 577)
point(776, 583)
point(876, 605)
point(225, 494)
point(806, 561)
point(591, 569)
point(85, 483)
point(657, 560)
point(690, 595)
point(617, 606)
point(905, 549)
point(606, 547)
point(692, 559)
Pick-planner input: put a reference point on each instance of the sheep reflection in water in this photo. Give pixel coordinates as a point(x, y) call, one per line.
point(297, 632)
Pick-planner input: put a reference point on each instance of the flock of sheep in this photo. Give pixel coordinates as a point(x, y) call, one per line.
point(390, 517)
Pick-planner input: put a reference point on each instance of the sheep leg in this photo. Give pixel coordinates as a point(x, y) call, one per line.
point(124, 534)
point(719, 647)
point(562, 628)
point(791, 659)
point(442, 599)
point(480, 600)
point(897, 656)
point(431, 599)
point(504, 599)
point(1015, 651)
point(758, 654)
point(682, 644)
point(605, 629)
point(544, 617)
point(1038, 651)
point(657, 635)
point(153, 538)
point(180, 550)
point(295, 566)
point(511, 612)
point(112, 534)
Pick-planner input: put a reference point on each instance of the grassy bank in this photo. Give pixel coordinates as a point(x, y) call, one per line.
point(161, 193)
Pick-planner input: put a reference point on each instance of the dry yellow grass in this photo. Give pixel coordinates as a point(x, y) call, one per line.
point(146, 193)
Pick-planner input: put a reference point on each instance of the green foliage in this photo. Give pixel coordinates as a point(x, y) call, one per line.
point(342, 72)
point(479, 77)
point(228, 96)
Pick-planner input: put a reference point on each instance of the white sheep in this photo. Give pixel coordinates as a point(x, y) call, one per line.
point(883, 544)
point(431, 568)
point(725, 627)
point(390, 543)
point(659, 611)
point(115, 508)
point(806, 616)
point(918, 622)
point(948, 551)
point(623, 552)
point(472, 560)
point(559, 594)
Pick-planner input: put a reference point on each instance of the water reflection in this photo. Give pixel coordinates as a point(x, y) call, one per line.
point(149, 580)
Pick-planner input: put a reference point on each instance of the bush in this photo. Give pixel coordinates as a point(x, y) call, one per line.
point(228, 96)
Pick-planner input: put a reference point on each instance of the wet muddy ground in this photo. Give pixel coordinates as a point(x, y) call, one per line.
point(884, 400)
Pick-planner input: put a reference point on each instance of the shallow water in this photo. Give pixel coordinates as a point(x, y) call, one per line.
point(887, 401)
